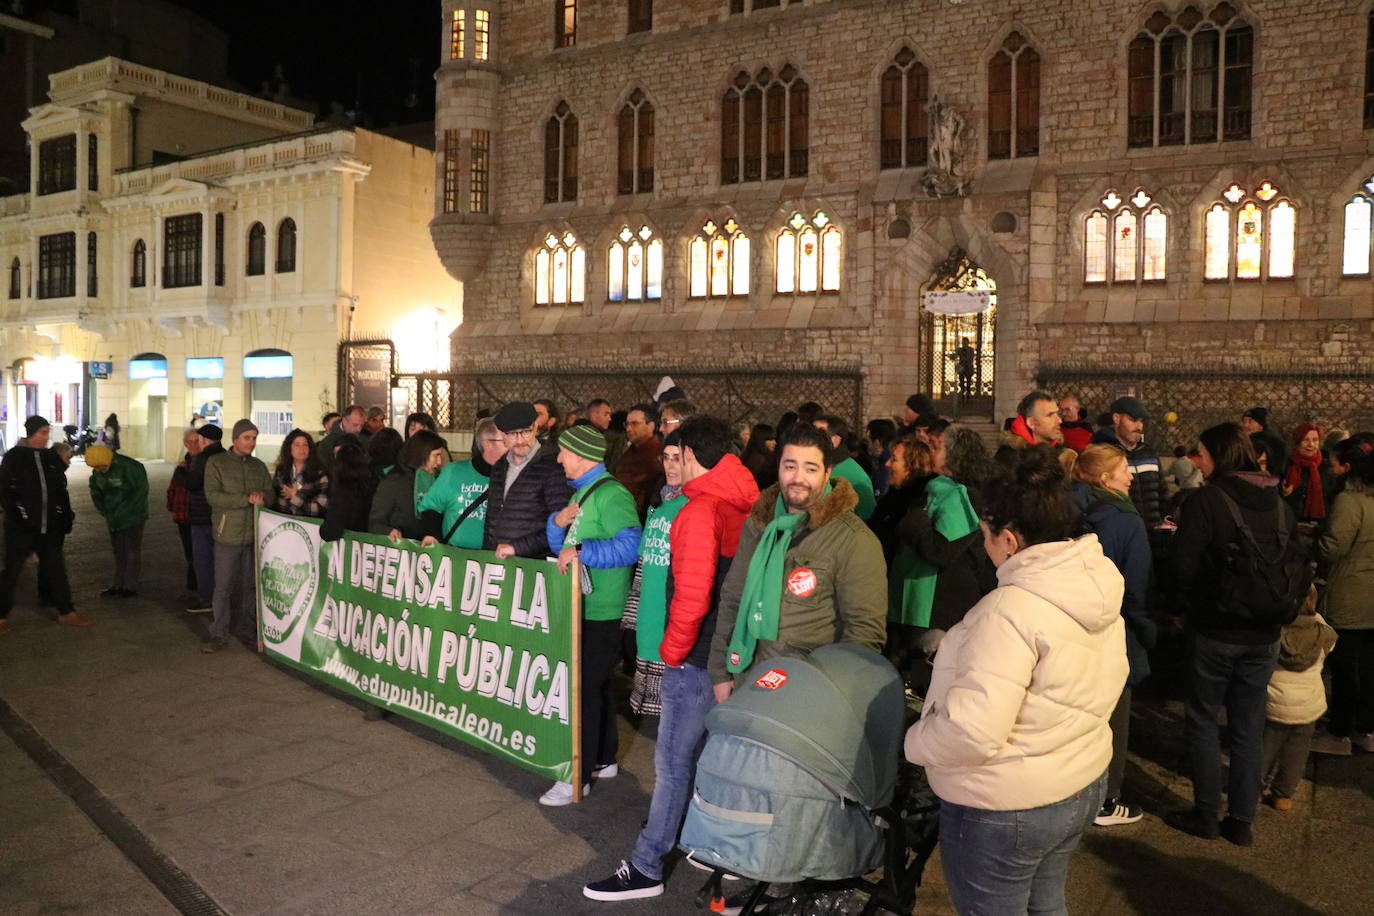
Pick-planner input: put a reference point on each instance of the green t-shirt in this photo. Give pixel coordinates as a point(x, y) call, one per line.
point(605, 513)
point(654, 561)
point(852, 471)
point(457, 485)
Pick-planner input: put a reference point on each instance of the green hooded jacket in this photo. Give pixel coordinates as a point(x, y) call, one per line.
point(121, 493)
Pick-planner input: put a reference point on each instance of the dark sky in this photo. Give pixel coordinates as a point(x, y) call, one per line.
point(374, 54)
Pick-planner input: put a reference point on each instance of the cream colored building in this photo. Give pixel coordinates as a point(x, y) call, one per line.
point(213, 249)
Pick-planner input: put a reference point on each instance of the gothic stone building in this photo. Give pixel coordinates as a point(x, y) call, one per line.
point(1172, 197)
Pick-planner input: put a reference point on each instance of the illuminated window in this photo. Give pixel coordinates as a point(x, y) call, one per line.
point(286, 246)
point(1359, 232)
point(634, 266)
point(1125, 240)
point(764, 127)
point(1189, 78)
point(808, 253)
point(1250, 234)
point(450, 154)
point(560, 155)
point(904, 100)
point(457, 34)
point(481, 34)
point(718, 261)
point(560, 271)
point(257, 250)
point(641, 16)
point(138, 269)
point(16, 278)
point(635, 146)
point(479, 171)
point(564, 23)
point(1014, 100)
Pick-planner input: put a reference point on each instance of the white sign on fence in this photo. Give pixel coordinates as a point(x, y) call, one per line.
point(958, 301)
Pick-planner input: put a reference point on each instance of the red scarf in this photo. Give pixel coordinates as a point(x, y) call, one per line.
point(1314, 507)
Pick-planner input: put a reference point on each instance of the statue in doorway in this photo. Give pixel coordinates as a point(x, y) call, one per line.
point(944, 176)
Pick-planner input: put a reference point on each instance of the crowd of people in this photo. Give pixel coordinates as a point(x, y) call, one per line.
point(1020, 590)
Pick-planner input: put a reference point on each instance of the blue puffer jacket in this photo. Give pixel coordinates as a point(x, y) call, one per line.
point(1126, 544)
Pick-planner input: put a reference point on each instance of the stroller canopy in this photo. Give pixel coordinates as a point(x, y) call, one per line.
point(837, 713)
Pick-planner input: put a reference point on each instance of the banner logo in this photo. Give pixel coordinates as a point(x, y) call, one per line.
point(772, 679)
point(290, 575)
point(802, 582)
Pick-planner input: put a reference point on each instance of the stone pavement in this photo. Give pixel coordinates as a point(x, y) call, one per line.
point(273, 795)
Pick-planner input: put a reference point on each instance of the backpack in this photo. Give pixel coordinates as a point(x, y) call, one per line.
point(1265, 586)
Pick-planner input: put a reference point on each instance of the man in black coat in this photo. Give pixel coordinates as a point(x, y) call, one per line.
point(527, 486)
point(1255, 422)
point(1147, 480)
point(38, 516)
point(198, 518)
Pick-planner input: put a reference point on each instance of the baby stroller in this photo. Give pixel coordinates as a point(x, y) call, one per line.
point(801, 781)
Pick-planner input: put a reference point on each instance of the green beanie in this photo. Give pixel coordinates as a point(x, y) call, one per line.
point(585, 441)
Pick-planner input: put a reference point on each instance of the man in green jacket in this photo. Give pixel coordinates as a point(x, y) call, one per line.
point(459, 485)
point(600, 527)
point(119, 490)
point(235, 485)
point(846, 468)
point(808, 572)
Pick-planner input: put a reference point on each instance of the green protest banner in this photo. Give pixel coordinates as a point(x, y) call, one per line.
point(472, 646)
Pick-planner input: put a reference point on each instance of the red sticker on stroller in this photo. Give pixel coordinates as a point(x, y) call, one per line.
point(802, 582)
point(772, 680)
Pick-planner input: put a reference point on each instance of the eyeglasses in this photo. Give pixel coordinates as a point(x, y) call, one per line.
point(671, 422)
point(519, 433)
point(670, 459)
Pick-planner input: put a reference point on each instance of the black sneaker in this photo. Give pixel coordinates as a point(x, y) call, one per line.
point(628, 883)
point(1114, 812)
point(1238, 832)
point(1195, 822)
point(214, 644)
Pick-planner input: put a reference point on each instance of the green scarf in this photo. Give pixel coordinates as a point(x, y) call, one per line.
point(911, 581)
point(423, 481)
point(1113, 498)
point(760, 603)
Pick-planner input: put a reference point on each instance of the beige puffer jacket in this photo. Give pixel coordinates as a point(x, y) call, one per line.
point(1018, 708)
point(1299, 697)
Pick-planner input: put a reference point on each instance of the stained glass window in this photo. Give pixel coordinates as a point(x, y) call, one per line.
point(635, 266)
point(1251, 233)
point(719, 261)
point(1125, 240)
point(1282, 234)
point(1217, 247)
point(1355, 256)
point(560, 271)
point(804, 263)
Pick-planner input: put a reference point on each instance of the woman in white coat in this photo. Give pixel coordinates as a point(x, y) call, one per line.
point(1015, 736)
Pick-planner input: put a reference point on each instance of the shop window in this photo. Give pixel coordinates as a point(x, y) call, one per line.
point(765, 127)
point(1014, 100)
point(1125, 241)
point(808, 255)
point(560, 271)
point(1250, 234)
point(634, 266)
point(718, 261)
point(904, 120)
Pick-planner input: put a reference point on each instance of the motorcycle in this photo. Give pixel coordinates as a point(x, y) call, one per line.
point(78, 438)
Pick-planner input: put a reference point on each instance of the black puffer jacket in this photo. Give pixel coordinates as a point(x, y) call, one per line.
point(33, 491)
point(198, 507)
point(1198, 554)
point(518, 518)
point(1147, 478)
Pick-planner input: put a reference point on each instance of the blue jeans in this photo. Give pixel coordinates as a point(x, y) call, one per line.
point(1236, 677)
point(999, 863)
point(687, 698)
point(203, 557)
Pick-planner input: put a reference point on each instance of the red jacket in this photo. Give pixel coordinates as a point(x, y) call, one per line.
point(703, 541)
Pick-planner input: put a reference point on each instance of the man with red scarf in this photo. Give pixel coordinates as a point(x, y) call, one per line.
point(1307, 482)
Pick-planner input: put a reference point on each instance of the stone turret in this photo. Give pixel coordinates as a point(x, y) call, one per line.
point(466, 133)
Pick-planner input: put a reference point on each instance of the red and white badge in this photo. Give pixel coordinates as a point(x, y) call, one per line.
point(802, 582)
point(772, 679)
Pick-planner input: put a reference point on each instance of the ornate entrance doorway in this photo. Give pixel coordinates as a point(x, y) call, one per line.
point(959, 350)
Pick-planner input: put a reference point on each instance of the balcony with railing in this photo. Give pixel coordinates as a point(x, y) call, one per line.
point(215, 165)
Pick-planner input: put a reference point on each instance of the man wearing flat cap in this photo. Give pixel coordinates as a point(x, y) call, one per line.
point(527, 486)
point(1127, 432)
point(236, 483)
point(38, 516)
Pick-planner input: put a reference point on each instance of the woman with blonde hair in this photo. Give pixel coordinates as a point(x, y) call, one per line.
point(1101, 491)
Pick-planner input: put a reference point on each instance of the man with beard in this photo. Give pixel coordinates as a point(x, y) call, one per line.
point(526, 487)
point(1128, 433)
point(447, 510)
point(808, 569)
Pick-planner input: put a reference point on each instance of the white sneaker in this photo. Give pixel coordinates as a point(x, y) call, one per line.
point(609, 771)
point(561, 794)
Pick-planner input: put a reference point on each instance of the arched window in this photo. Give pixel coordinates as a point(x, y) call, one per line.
point(257, 250)
point(286, 246)
point(764, 127)
point(1355, 255)
point(92, 283)
point(16, 278)
point(1014, 100)
point(138, 268)
point(560, 271)
point(635, 146)
point(809, 254)
point(92, 162)
point(718, 261)
point(904, 120)
point(560, 155)
point(1190, 78)
point(1125, 241)
point(634, 266)
point(1250, 234)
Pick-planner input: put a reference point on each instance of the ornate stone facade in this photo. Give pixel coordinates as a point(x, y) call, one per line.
point(1289, 78)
